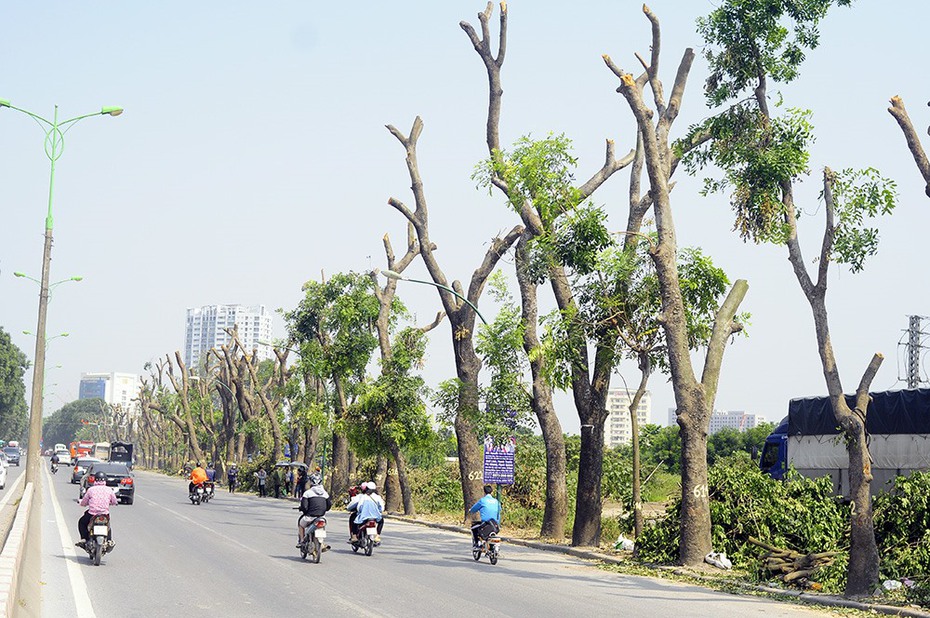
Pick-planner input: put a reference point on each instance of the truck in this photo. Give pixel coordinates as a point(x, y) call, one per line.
point(810, 440)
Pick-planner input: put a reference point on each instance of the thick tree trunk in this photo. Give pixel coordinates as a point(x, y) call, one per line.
point(471, 455)
point(695, 509)
point(381, 470)
point(862, 573)
point(555, 515)
point(392, 497)
point(587, 528)
point(400, 465)
point(339, 475)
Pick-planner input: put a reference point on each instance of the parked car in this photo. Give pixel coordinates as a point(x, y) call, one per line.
point(119, 479)
point(12, 454)
point(80, 467)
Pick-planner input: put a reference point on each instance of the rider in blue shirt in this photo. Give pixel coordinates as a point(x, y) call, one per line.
point(490, 511)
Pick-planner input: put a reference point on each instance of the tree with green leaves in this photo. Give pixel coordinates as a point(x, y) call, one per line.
point(459, 306)
point(73, 420)
point(694, 397)
point(334, 328)
point(763, 156)
point(537, 180)
point(14, 416)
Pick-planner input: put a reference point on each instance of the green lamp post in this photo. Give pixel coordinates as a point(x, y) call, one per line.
point(54, 146)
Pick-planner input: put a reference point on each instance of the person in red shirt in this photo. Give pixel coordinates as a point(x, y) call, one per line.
point(98, 499)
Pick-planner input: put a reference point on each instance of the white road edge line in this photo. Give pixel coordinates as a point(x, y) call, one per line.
point(11, 490)
point(78, 586)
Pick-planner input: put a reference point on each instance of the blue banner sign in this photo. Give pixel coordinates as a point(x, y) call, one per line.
point(499, 461)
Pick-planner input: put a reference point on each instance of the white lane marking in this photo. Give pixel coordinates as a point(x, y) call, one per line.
point(78, 586)
point(360, 610)
point(11, 490)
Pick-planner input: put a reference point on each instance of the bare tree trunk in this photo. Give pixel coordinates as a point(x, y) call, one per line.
point(899, 112)
point(400, 464)
point(555, 514)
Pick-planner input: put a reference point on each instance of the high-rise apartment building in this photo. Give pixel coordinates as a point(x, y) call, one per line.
point(206, 329)
point(618, 428)
point(117, 389)
point(735, 419)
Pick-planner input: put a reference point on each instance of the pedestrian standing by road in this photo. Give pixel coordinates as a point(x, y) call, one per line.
point(262, 477)
point(301, 483)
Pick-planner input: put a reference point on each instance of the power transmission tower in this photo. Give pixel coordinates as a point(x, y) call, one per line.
point(913, 348)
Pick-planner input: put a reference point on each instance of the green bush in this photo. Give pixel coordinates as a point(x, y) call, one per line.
point(801, 514)
point(437, 489)
point(902, 527)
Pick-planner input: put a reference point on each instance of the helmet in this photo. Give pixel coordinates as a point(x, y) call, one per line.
point(369, 487)
point(100, 479)
point(315, 479)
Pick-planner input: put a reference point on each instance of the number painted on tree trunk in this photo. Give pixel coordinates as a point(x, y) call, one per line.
point(700, 492)
point(475, 476)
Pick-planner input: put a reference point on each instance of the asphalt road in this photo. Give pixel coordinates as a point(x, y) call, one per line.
point(235, 556)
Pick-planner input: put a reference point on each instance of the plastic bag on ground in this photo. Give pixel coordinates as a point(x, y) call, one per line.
point(624, 543)
point(719, 560)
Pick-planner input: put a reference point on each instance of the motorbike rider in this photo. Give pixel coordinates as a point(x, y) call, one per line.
point(232, 476)
point(98, 500)
point(211, 478)
point(377, 498)
point(55, 461)
point(489, 508)
point(313, 504)
point(365, 507)
point(198, 476)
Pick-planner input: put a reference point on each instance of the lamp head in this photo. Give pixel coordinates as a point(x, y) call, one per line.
point(4, 102)
point(18, 274)
point(64, 334)
point(390, 274)
point(111, 111)
point(77, 278)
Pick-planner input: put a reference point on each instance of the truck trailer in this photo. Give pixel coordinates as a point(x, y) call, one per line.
point(809, 439)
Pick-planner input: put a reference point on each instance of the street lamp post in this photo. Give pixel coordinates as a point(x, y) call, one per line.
point(54, 146)
point(390, 274)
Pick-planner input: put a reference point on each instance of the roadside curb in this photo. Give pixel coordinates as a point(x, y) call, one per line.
point(11, 557)
point(587, 554)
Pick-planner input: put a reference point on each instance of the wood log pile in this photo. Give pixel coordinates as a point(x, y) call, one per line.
point(790, 566)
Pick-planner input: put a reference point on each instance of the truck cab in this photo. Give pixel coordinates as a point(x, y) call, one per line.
point(774, 458)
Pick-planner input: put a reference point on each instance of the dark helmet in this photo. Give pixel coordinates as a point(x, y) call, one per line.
point(100, 479)
point(315, 479)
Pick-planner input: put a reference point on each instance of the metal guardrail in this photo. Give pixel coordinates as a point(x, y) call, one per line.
point(11, 557)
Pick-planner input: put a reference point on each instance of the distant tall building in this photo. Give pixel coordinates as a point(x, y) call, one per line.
point(206, 329)
point(618, 428)
point(736, 419)
point(117, 389)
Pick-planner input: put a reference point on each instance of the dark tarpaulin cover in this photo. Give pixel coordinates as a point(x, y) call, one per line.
point(890, 412)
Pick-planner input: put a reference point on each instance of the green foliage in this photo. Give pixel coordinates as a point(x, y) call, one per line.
point(801, 514)
point(902, 527)
point(538, 171)
point(65, 424)
point(747, 38)
point(500, 344)
point(333, 325)
point(14, 415)
point(728, 441)
point(437, 489)
point(661, 445)
point(757, 155)
point(859, 196)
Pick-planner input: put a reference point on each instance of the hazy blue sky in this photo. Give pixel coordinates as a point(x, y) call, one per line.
point(253, 155)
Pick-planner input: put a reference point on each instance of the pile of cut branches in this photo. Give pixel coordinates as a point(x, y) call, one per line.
point(790, 566)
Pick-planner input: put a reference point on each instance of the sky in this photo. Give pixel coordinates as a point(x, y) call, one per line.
point(253, 156)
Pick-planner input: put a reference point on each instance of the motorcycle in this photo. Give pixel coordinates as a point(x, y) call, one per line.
point(197, 495)
point(54, 467)
point(208, 492)
point(488, 544)
point(365, 539)
point(314, 538)
point(96, 546)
